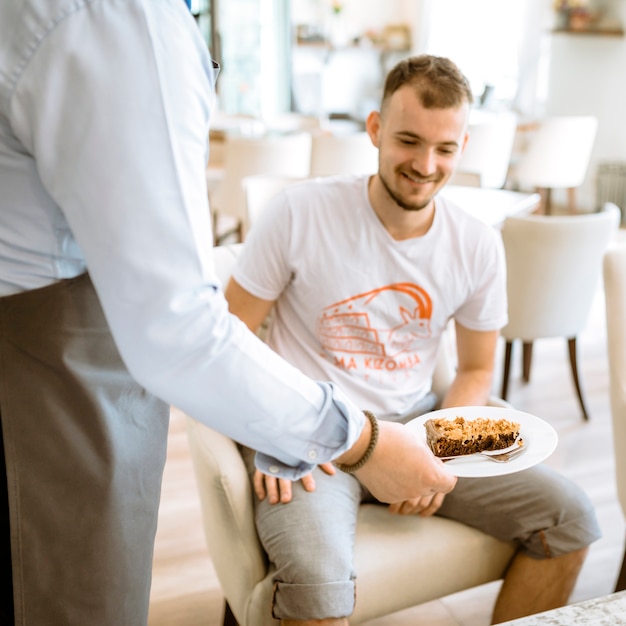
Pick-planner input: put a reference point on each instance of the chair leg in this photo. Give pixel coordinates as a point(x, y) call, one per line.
point(214, 221)
point(621, 579)
point(229, 618)
point(548, 201)
point(235, 231)
point(571, 200)
point(527, 356)
point(507, 369)
point(543, 207)
point(573, 360)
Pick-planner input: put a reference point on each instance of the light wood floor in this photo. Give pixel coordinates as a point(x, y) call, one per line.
point(185, 591)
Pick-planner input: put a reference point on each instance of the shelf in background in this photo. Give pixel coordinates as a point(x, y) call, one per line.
point(614, 31)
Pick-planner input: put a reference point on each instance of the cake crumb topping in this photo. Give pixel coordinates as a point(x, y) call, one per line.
point(462, 436)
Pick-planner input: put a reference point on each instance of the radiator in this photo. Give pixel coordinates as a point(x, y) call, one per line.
point(611, 185)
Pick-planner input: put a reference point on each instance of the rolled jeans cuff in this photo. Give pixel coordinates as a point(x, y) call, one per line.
point(564, 539)
point(311, 601)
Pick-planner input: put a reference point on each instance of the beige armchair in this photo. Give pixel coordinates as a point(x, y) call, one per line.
point(401, 561)
point(615, 298)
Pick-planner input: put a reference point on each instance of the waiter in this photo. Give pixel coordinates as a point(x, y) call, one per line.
point(110, 311)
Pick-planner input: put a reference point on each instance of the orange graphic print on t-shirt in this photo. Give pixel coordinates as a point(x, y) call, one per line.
point(380, 329)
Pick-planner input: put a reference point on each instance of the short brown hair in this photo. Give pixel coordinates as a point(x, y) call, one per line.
point(439, 83)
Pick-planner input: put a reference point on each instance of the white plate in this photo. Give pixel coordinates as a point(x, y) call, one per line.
point(540, 437)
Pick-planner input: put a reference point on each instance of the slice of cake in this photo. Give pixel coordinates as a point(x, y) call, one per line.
point(460, 436)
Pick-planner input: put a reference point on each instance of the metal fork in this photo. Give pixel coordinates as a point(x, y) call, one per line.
point(503, 457)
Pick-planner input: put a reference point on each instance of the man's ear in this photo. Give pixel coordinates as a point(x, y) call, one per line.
point(465, 138)
point(372, 126)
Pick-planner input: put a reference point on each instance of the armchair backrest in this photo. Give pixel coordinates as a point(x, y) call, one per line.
point(488, 151)
point(352, 153)
point(554, 265)
point(558, 152)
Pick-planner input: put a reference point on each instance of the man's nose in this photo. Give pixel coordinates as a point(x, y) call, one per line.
point(424, 162)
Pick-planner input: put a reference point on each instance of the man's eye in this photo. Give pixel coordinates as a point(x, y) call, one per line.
point(408, 142)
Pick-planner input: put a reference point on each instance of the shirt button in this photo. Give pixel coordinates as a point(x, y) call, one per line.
point(312, 455)
point(274, 469)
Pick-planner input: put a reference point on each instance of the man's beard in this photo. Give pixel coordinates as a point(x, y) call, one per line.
point(400, 201)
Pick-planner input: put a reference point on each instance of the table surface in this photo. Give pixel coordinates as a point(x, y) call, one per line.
point(492, 206)
point(605, 611)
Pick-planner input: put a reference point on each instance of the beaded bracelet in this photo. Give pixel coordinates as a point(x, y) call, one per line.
point(370, 448)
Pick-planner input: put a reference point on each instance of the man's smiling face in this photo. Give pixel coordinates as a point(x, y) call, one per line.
point(418, 147)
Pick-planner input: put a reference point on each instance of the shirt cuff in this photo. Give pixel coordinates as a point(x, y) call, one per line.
point(273, 467)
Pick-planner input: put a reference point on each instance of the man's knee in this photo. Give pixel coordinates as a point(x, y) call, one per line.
point(574, 525)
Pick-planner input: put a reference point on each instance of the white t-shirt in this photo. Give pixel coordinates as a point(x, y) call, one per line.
point(356, 306)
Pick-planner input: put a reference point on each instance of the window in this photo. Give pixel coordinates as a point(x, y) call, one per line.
point(498, 44)
point(481, 37)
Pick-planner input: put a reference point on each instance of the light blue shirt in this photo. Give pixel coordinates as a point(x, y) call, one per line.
point(104, 117)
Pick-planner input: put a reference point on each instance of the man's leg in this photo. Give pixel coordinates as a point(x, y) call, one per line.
point(310, 541)
point(550, 518)
point(546, 584)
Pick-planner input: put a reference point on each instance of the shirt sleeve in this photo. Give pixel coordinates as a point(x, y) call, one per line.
point(114, 106)
point(486, 306)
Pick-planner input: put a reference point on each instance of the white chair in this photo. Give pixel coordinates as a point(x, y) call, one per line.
point(352, 153)
point(260, 188)
point(223, 124)
point(489, 147)
point(557, 156)
point(291, 121)
point(554, 265)
point(615, 300)
point(286, 155)
point(401, 561)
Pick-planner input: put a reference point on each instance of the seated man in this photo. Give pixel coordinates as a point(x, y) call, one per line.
point(364, 274)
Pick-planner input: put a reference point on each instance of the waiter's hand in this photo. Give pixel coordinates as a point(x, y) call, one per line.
point(402, 467)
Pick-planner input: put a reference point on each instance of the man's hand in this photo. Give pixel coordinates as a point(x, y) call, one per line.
point(279, 489)
point(402, 468)
point(424, 506)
